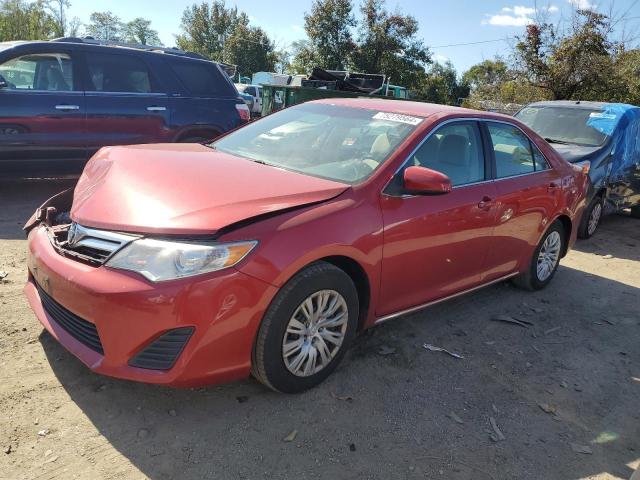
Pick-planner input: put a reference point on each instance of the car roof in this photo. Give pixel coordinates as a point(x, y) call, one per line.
point(419, 109)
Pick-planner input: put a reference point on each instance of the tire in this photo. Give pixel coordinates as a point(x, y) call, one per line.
point(276, 370)
point(531, 279)
point(635, 211)
point(591, 218)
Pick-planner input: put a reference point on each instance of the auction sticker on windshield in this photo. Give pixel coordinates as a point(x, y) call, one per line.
point(396, 117)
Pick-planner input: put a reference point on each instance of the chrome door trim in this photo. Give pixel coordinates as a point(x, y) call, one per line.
point(443, 299)
point(67, 107)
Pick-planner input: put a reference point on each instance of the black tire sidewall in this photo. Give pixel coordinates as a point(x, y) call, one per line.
point(319, 277)
point(536, 283)
point(583, 231)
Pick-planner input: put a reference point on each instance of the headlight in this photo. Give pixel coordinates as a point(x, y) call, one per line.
point(161, 260)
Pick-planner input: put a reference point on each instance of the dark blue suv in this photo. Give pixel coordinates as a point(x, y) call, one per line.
point(60, 101)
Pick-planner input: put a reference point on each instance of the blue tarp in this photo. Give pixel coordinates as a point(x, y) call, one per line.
point(621, 122)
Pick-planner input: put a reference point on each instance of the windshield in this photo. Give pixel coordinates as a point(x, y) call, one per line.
point(563, 124)
point(338, 143)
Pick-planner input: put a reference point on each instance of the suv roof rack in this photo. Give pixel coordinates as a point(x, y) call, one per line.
point(137, 46)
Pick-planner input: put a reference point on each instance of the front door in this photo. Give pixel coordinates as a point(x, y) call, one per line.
point(435, 246)
point(42, 112)
point(125, 104)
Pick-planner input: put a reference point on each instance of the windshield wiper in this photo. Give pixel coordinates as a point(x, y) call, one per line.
point(555, 140)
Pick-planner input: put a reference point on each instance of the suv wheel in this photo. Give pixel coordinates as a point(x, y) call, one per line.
point(306, 330)
point(591, 218)
point(545, 260)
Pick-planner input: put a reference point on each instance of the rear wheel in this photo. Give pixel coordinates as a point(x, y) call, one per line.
point(545, 260)
point(591, 218)
point(306, 330)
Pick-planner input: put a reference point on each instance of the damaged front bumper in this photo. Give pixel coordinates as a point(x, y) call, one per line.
point(108, 318)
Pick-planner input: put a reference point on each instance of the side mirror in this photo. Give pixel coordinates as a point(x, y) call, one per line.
point(424, 181)
point(3, 82)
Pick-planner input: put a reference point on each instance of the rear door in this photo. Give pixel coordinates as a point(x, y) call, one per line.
point(126, 103)
point(527, 195)
point(42, 110)
point(435, 246)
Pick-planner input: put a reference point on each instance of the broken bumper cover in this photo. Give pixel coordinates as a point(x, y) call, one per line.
point(221, 311)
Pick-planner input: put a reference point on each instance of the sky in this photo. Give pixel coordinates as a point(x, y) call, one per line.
point(444, 24)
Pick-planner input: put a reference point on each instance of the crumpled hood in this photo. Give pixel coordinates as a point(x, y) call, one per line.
point(575, 153)
point(186, 189)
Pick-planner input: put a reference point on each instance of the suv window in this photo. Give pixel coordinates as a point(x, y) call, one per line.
point(250, 91)
point(39, 71)
point(118, 73)
point(513, 151)
point(199, 78)
point(456, 151)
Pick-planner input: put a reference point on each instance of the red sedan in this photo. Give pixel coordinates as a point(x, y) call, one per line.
point(265, 252)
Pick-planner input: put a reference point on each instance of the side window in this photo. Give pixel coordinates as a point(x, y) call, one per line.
point(456, 151)
point(251, 91)
point(118, 73)
point(538, 159)
point(200, 78)
point(39, 71)
point(512, 150)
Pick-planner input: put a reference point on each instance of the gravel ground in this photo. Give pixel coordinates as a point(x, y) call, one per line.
point(555, 400)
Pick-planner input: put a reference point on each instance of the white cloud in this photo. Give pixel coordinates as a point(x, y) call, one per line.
point(440, 58)
point(583, 4)
point(297, 28)
point(508, 21)
point(516, 16)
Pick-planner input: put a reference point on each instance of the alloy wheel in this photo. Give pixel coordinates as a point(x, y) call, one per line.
point(549, 256)
point(594, 218)
point(315, 333)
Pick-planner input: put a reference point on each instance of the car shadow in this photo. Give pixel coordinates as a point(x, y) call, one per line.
point(618, 235)
point(387, 411)
point(24, 196)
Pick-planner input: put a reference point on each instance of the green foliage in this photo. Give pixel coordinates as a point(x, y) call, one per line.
point(305, 57)
point(328, 27)
point(105, 26)
point(22, 20)
point(224, 35)
point(441, 85)
point(576, 63)
point(388, 44)
point(139, 30)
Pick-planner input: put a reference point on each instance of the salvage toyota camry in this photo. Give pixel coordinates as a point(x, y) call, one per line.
point(266, 251)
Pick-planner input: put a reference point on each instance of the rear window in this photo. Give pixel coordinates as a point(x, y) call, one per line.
point(118, 73)
point(201, 78)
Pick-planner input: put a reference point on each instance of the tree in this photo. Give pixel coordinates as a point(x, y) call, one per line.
point(441, 85)
point(388, 44)
point(104, 26)
point(576, 63)
point(328, 27)
point(20, 20)
point(304, 56)
point(139, 31)
point(486, 75)
point(250, 49)
point(205, 29)
point(58, 11)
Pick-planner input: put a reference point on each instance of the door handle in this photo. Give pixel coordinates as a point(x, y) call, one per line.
point(67, 107)
point(156, 109)
point(486, 202)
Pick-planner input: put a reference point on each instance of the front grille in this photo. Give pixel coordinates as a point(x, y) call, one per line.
point(83, 331)
point(162, 353)
point(89, 244)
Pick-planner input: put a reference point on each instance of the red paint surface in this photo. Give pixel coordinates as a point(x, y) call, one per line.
point(412, 250)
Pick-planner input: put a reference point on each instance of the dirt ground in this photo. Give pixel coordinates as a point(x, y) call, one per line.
point(564, 393)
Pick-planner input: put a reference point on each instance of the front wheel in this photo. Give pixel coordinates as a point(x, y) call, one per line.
point(591, 218)
point(545, 260)
point(306, 330)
